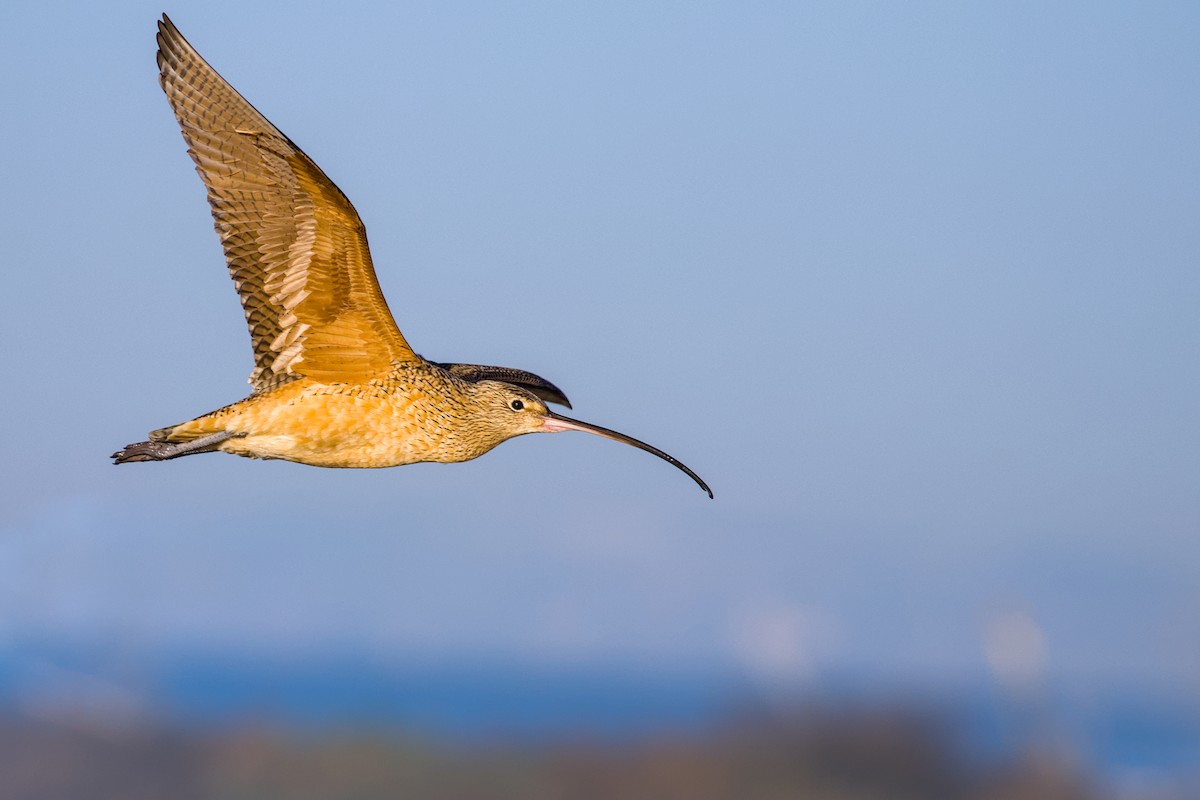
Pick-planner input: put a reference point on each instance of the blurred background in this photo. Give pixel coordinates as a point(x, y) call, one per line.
point(912, 286)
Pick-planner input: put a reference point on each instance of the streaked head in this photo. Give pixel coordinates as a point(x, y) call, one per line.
point(510, 411)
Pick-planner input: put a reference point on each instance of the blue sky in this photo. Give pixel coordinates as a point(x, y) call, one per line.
point(913, 287)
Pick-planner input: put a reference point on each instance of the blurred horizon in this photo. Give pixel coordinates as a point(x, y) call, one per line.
point(913, 288)
point(208, 708)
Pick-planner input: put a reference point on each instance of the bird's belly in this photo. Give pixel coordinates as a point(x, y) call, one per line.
point(327, 426)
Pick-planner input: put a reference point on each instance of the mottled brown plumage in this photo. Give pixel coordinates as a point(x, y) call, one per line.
point(335, 383)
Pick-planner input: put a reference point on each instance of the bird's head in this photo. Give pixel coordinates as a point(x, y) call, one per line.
point(504, 411)
point(508, 410)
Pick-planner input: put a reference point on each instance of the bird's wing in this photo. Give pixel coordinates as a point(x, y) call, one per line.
point(295, 246)
point(536, 384)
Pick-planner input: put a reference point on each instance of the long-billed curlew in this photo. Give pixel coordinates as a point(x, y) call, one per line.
point(335, 384)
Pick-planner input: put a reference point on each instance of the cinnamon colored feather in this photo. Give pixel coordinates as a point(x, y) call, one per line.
point(335, 383)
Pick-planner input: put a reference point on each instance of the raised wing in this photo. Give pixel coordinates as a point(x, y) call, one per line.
point(295, 246)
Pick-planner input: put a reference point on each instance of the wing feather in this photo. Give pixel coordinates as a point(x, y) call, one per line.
point(540, 387)
point(296, 248)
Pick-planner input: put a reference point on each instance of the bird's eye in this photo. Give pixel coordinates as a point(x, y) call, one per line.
point(517, 405)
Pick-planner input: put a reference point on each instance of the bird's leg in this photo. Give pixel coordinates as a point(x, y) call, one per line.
point(161, 451)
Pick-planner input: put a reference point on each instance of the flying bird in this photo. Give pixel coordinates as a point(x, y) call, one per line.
point(335, 383)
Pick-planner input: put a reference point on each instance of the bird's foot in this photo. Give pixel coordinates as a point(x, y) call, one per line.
point(162, 451)
point(144, 451)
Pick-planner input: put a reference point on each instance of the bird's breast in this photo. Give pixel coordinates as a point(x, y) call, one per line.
point(347, 425)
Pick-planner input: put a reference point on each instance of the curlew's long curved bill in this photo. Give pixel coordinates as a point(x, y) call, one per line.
point(556, 422)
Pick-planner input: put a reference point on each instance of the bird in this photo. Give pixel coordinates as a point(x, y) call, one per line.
point(335, 383)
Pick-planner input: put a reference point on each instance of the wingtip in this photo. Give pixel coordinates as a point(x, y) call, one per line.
point(167, 33)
